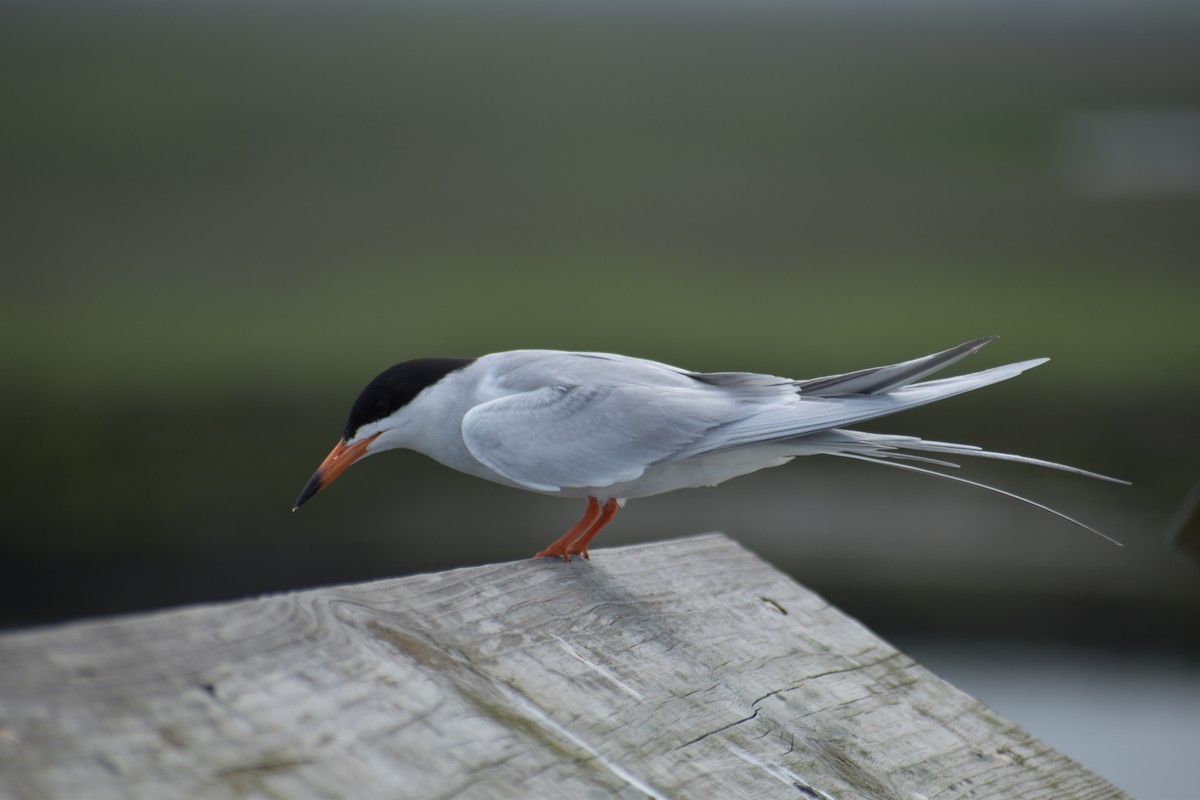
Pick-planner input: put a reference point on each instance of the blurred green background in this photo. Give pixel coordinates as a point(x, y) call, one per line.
point(220, 221)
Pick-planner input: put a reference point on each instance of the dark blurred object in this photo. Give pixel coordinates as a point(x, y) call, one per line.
point(1183, 532)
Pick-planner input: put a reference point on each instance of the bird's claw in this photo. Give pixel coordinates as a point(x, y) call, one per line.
point(548, 553)
point(565, 555)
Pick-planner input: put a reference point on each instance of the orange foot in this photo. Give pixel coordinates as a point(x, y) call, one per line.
point(575, 541)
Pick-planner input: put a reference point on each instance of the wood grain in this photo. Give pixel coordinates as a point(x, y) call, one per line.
point(684, 669)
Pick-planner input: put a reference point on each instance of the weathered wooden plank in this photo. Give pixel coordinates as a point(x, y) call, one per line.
point(682, 669)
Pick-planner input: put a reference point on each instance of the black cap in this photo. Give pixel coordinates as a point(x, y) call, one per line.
point(396, 387)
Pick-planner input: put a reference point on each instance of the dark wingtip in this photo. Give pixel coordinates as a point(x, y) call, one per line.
point(312, 487)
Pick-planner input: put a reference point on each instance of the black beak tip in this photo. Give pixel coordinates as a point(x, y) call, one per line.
point(312, 487)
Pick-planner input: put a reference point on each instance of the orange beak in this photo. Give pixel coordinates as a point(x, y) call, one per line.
point(341, 457)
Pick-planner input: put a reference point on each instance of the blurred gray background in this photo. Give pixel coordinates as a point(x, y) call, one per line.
point(221, 220)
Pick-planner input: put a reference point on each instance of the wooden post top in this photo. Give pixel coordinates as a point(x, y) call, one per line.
point(681, 669)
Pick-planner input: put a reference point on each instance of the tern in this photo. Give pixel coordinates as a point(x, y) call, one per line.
point(610, 428)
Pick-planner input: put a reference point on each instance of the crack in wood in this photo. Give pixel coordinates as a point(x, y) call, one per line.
point(826, 674)
point(263, 767)
point(718, 730)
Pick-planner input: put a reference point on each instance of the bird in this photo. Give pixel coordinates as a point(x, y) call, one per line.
point(609, 428)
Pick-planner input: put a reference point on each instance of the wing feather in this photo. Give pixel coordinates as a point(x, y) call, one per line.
point(878, 380)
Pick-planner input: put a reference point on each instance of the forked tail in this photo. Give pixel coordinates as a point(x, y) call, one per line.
point(889, 450)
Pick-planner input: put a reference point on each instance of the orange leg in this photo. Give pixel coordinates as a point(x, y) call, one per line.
point(581, 528)
point(580, 546)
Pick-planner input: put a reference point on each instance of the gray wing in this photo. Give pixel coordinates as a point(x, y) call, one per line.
point(576, 436)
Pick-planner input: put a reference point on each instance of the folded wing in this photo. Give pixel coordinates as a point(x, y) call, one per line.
point(571, 436)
